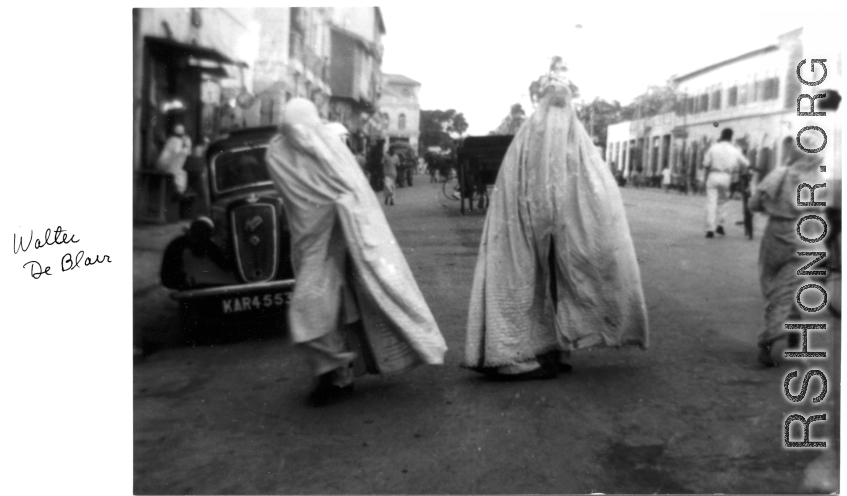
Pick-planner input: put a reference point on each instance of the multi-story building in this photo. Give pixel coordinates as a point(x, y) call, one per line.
point(754, 94)
point(186, 63)
point(354, 74)
point(216, 69)
point(294, 59)
point(400, 109)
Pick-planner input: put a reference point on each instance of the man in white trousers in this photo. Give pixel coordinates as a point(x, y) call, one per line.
point(721, 160)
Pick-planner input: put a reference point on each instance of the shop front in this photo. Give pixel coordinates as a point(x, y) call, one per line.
point(180, 85)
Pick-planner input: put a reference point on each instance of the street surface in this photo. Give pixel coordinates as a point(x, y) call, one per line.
point(694, 413)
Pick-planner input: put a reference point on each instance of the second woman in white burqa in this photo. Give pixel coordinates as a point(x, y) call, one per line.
point(557, 269)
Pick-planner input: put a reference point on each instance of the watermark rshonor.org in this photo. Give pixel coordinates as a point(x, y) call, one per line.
point(808, 417)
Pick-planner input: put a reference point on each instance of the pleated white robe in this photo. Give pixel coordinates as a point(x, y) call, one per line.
point(333, 213)
point(553, 189)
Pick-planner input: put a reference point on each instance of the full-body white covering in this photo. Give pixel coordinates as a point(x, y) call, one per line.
point(333, 214)
point(554, 192)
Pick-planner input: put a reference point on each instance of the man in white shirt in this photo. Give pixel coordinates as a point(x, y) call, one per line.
point(720, 161)
point(666, 179)
point(172, 158)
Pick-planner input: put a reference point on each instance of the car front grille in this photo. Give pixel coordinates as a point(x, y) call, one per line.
point(256, 241)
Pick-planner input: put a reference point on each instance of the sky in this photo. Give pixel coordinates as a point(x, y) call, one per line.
point(481, 61)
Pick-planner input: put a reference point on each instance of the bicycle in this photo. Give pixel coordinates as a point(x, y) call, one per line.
point(451, 187)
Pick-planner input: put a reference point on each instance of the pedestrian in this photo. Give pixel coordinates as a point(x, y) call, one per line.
point(638, 177)
point(173, 156)
point(666, 179)
point(432, 167)
point(777, 196)
point(389, 169)
point(735, 182)
point(720, 161)
point(356, 307)
point(701, 180)
point(556, 269)
point(363, 163)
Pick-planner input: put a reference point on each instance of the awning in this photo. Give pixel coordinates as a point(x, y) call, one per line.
point(218, 72)
point(209, 67)
point(168, 48)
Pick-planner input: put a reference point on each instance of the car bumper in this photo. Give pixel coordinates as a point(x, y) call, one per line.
point(234, 289)
point(237, 303)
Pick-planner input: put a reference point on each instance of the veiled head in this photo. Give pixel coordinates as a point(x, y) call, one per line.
point(299, 111)
point(556, 90)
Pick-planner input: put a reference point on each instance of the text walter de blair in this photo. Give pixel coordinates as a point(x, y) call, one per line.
point(68, 261)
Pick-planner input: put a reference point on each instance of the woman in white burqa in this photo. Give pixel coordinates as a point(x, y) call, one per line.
point(557, 269)
point(356, 307)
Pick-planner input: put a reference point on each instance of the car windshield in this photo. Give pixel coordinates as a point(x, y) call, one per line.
point(239, 168)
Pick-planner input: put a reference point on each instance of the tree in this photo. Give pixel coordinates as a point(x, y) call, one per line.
point(436, 126)
point(460, 125)
point(600, 114)
point(512, 122)
point(656, 100)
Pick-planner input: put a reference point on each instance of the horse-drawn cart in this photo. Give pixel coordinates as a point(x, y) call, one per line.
point(479, 159)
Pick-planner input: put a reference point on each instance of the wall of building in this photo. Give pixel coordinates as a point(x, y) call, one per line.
point(355, 69)
point(344, 65)
point(361, 21)
point(229, 31)
point(401, 99)
point(293, 60)
point(744, 75)
point(157, 80)
point(760, 120)
point(272, 61)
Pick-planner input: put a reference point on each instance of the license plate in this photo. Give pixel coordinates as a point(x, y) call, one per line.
point(240, 304)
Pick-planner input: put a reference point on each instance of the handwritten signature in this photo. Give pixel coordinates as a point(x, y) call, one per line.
point(67, 263)
point(18, 244)
point(57, 237)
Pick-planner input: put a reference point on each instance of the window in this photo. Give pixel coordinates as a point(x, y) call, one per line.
point(297, 28)
point(742, 94)
point(716, 100)
point(704, 102)
point(752, 156)
point(654, 156)
point(401, 122)
point(266, 111)
point(732, 96)
point(771, 88)
point(196, 20)
point(760, 90)
point(295, 47)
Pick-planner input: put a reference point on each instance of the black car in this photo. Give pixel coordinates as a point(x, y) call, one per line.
point(234, 266)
